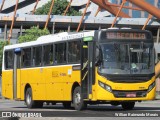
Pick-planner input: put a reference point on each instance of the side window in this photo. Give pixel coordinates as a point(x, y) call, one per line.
point(48, 55)
point(9, 59)
point(26, 57)
point(60, 53)
point(37, 55)
point(74, 51)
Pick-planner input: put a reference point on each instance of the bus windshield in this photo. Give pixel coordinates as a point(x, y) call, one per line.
point(127, 58)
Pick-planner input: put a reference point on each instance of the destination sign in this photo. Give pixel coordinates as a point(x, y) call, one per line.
point(125, 35)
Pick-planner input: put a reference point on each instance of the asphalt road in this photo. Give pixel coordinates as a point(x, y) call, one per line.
point(144, 110)
point(0, 86)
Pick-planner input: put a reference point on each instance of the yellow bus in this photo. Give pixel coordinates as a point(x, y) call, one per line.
point(112, 66)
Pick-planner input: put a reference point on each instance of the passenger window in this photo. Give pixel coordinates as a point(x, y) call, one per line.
point(9, 59)
point(60, 53)
point(74, 52)
point(37, 56)
point(26, 57)
point(48, 55)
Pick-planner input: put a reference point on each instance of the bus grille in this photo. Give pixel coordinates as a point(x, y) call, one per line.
point(125, 94)
point(128, 78)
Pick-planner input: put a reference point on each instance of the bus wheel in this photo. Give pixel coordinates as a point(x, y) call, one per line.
point(128, 105)
point(67, 105)
point(78, 102)
point(29, 100)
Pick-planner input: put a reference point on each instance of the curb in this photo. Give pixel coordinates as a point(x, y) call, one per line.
point(157, 97)
point(0, 95)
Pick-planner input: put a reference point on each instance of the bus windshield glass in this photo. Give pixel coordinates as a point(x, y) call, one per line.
point(127, 58)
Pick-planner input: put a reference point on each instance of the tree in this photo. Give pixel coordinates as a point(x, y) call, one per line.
point(32, 34)
point(58, 9)
point(2, 44)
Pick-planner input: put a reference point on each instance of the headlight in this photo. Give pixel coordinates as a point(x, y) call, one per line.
point(105, 86)
point(151, 87)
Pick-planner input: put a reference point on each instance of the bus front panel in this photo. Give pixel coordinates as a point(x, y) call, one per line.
point(108, 90)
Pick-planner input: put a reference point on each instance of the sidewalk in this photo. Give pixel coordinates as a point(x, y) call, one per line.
point(158, 97)
point(0, 95)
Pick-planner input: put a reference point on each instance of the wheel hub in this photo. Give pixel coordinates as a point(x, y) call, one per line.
point(28, 99)
point(77, 98)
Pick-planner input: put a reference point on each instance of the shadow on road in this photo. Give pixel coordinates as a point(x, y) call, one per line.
point(92, 108)
point(91, 111)
point(112, 108)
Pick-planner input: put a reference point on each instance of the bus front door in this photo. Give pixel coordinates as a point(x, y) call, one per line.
point(16, 74)
point(87, 69)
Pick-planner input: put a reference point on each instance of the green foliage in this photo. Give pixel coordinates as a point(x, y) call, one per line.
point(2, 44)
point(58, 9)
point(32, 34)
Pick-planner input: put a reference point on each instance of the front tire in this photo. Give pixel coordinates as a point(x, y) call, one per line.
point(29, 100)
point(128, 105)
point(78, 101)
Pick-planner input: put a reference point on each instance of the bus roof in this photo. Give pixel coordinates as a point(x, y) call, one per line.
point(65, 36)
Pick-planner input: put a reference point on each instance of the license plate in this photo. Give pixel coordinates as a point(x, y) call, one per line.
point(131, 95)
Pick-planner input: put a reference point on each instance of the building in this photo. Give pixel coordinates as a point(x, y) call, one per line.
point(135, 13)
point(26, 6)
point(81, 4)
